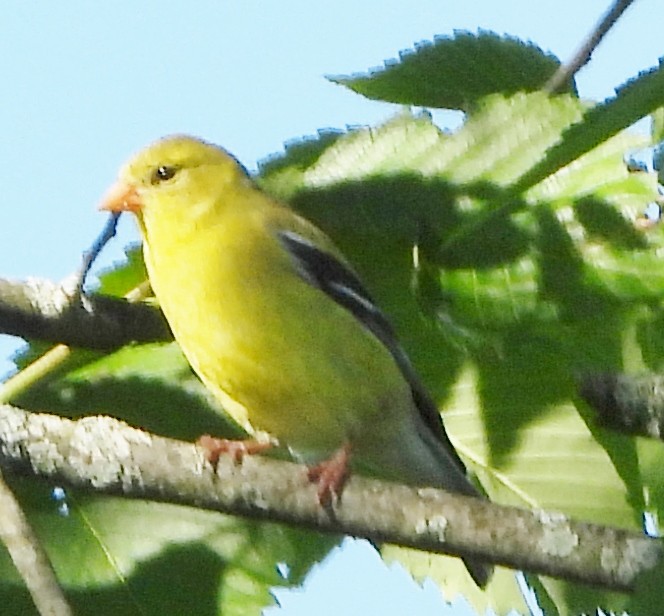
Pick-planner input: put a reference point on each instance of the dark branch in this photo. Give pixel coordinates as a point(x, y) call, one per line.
point(105, 455)
point(89, 256)
point(629, 404)
point(42, 310)
point(566, 71)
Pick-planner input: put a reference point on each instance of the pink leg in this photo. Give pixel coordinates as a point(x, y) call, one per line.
point(331, 474)
point(237, 449)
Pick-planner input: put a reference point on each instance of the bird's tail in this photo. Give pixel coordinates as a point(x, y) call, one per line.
point(478, 570)
point(452, 476)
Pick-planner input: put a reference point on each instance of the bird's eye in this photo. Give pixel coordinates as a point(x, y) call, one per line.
point(163, 173)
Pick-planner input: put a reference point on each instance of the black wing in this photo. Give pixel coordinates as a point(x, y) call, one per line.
point(324, 271)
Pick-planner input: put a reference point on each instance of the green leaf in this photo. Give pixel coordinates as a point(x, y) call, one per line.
point(647, 598)
point(122, 277)
point(497, 144)
point(634, 100)
point(520, 292)
point(457, 72)
point(657, 126)
point(133, 557)
point(501, 596)
point(146, 385)
point(298, 155)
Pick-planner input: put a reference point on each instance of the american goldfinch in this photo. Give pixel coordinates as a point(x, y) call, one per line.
point(277, 324)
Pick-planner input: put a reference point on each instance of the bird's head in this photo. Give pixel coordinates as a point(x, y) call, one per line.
point(178, 177)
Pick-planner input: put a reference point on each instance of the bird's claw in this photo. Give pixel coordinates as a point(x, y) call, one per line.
point(330, 475)
point(237, 449)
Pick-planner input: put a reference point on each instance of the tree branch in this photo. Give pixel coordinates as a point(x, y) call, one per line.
point(43, 310)
point(628, 404)
point(566, 71)
point(29, 557)
point(106, 455)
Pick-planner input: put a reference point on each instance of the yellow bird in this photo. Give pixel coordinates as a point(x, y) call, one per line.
point(278, 326)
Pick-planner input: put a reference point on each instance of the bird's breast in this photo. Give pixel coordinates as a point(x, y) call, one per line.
point(278, 353)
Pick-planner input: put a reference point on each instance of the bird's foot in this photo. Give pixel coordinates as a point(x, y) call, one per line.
point(330, 475)
point(237, 449)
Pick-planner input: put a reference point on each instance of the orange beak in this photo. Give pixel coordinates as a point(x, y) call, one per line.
point(121, 198)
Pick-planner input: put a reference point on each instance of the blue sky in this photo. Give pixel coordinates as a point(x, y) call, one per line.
point(87, 83)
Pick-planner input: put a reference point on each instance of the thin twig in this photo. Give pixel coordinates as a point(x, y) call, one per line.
point(107, 233)
point(29, 557)
point(566, 71)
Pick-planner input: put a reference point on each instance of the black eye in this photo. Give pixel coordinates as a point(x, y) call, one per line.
point(162, 173)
